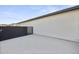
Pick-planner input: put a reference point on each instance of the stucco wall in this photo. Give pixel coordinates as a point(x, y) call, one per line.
point(38, 44)
point(64, 25)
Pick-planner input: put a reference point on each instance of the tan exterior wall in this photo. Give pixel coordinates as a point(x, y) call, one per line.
point(64, 25)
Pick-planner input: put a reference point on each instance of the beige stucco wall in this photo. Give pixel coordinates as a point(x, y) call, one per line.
point(64, 25)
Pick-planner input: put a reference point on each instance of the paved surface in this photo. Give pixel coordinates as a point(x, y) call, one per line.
point(38, 44)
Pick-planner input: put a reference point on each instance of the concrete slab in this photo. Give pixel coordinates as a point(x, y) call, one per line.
point(35, 44)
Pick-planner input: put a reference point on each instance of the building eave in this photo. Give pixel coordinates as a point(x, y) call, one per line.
point(53, 13)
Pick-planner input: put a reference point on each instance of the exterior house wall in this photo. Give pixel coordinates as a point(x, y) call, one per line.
point(64, 25)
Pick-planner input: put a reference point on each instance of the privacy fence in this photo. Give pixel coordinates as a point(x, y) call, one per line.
point(8, 32)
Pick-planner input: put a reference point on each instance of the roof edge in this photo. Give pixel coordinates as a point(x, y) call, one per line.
point(50, 14)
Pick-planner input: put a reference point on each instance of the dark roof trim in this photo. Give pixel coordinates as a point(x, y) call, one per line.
point(13, 26)
point(54, 13)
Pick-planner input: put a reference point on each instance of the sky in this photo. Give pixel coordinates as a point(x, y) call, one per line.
point(16, 13)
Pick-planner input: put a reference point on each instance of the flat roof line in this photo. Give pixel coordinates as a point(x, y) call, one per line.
point(53, 13)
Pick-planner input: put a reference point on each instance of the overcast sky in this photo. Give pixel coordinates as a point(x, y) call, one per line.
point(17, 13)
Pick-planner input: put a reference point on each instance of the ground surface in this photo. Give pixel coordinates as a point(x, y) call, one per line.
point(38, 44)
